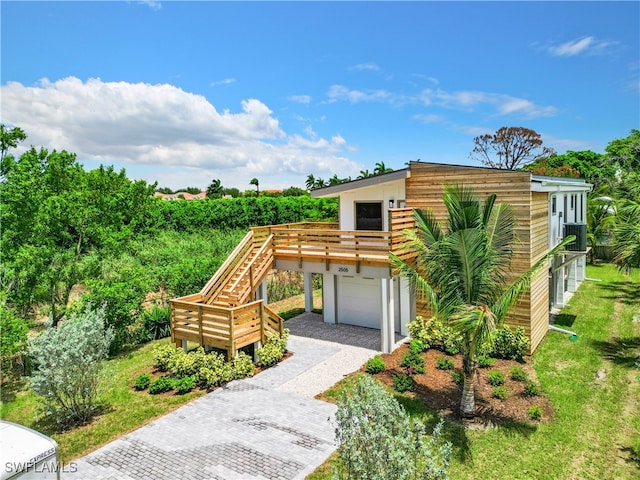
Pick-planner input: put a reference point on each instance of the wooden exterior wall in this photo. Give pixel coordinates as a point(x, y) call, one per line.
point(424, 189)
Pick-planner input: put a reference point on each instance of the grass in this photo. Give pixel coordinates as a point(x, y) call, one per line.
point(593, 383)
point(124, 411)
point(124, 408)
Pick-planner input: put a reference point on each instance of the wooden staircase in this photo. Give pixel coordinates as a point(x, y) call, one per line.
point(224, 314)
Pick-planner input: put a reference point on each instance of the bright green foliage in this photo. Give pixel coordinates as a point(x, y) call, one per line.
point(594, 167)
point(184, 385)
point(413, 362)
point(378, 441)
point(273, 351)
point(68, 365)
point(375, 365)
point(485, 362)
point(403, 383)
point(518, 374)
point(444, 363)
point(509, 345)
point(189, 364)
point(495, 378)
point(416, 346)
point(499, 392)
point(243, 366)
point(531, 389)
point(240, 213)
point(433, 332)
point(535, 412)
point(163, 356)
point(55, 216)
point(13, 335)
point(627, 235)
point(156, 322)
point(142, 381)
point(161, 385)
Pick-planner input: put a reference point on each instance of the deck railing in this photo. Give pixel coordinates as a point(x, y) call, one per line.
point(224, 328)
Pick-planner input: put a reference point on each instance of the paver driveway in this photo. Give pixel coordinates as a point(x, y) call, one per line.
point(265, 427)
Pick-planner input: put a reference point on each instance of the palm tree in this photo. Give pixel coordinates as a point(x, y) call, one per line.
point(335, 180)
point(380, 168)
point(320, 183)
point(463, 271)
point(627, 236)
point(311, 182)
point(215, 189)
point(254, 181)
point(364, 174)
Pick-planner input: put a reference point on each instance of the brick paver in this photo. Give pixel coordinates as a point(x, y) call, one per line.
point(256, 428)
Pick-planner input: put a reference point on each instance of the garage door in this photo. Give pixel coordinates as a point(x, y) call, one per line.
point(359, 301)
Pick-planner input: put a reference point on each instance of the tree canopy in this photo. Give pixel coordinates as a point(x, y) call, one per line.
point(509, 148)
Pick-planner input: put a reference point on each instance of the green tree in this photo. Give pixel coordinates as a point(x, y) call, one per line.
point(377, 440)
point(68, 366)
point(310, 183)
point(215, 189)
point(625, 152)
point(463, 271)
point(9, 138)
point(256, 182)
point(595, 168)
point(55, 216)
point(381, 168)
point(509, 147)
point(364, 174)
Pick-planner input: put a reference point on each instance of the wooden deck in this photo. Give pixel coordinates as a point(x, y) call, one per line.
point(223, 315)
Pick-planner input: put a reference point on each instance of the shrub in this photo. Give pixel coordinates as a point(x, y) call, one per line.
point(161, 385)
point(243, 366)
point(518, 374)
point(434, 333)
point(416, 346)
point(69, 364)
point(370, 420)
point(509, 345)
point(495, 378)
point(189, 364)
point(535, 412)
point(499, 392)
point(485, 362)
point(403, 383)
point(413, 362)
point(444, 363)
point(163, 356)
point(184, 385)
point(531, 389)
point(142, 381)
point(156, 322)
point(13, 338)
point(375, 365)
point(273, 351)
point(458, 377)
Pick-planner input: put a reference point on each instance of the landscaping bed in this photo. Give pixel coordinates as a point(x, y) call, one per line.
point(437, 390)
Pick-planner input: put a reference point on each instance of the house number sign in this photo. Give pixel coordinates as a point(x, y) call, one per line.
point(343, 269)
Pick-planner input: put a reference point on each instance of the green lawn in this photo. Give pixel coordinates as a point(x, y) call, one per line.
point(596, 430)
point(125, 409)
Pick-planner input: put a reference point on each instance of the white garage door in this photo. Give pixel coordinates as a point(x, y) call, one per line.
point(359, 301)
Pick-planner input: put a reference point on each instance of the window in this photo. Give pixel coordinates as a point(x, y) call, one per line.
point(369, 216)
point(554, 207)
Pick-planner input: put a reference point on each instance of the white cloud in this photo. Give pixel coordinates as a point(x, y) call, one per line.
point(502, 105)
point(371, 67)
point(226, 81)
point(152, 5)
point(158, 127)
point(586, 45)
point(304, 99)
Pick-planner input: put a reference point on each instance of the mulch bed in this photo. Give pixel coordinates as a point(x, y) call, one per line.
point(437, 390)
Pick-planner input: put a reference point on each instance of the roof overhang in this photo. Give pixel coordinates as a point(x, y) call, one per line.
point(334, 190)
point(541, 183)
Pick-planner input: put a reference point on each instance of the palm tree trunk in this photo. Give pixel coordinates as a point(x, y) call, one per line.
point(468, 400)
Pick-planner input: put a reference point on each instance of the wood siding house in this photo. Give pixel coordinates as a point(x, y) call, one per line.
point(359, 287)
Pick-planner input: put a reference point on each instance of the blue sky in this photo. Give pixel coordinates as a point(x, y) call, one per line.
point(185, 92)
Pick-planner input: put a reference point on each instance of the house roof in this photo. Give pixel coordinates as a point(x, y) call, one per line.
point(539, 183)
point(360, 183)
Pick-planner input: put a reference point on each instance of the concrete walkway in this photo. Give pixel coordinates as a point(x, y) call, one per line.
point(265, 427)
